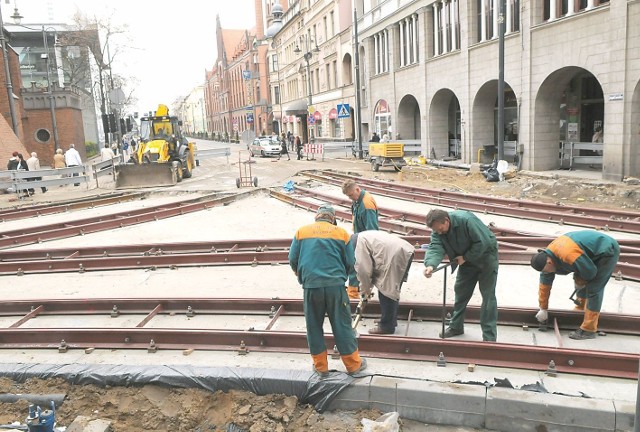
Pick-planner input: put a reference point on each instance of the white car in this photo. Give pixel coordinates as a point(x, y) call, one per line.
point(265, 146)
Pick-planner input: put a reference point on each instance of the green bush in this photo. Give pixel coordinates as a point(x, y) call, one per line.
point(91, 149)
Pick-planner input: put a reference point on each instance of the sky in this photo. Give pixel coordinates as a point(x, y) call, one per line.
point(168, 44)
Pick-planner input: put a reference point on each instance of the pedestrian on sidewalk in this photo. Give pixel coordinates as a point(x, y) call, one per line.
point(34, 165)
point(473, 249)
point(591, 256)
point(23, 166)
point(322, 258)
point(299, 147)
point(283, 148)
point(72, 158)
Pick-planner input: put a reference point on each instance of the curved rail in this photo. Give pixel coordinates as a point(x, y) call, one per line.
point(606, 219)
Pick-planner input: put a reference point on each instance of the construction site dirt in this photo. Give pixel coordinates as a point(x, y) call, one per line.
point(255, 216)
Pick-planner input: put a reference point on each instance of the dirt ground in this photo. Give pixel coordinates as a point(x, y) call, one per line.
point(153, 408)
point(573, 191)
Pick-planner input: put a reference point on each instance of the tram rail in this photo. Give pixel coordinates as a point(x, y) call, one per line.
point(24, 333)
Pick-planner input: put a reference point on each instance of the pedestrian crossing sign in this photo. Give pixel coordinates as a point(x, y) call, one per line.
point(343, 111)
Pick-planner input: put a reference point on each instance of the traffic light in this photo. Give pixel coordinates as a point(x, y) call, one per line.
point(123, 127)
point(129, 125)
point(112, 123)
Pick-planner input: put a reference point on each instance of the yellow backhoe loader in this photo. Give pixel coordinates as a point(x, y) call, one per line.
point(163, 156)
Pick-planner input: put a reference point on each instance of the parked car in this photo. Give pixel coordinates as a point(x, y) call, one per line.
point(265, 146)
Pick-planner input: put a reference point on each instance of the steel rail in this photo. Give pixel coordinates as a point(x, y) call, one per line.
point(65, 206)
point(608, 219)
point(79, 261)
point(390, 224)
point(584, 362)
point(25, 310)
point(88, 225)
point(625, 270)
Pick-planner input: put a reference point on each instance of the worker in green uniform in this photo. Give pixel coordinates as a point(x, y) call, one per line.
point(591, 256)
point(472, 247)
point(322, 257)
point(363, 207)
point(365, 216)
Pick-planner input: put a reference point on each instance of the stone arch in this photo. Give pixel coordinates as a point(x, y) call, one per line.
point(444, 125)
point(347, 70)
point(485, 121)
point(568, 105)
point(408, 123)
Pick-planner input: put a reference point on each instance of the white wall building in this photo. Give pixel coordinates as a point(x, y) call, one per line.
point(429, 72)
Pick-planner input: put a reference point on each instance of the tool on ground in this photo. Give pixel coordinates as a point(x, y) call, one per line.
point(573, 298)
point(41, 421)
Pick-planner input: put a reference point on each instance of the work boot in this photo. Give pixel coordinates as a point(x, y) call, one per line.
point(362, 367)
point(451, 332)
point(377, 330)
point(582, 334)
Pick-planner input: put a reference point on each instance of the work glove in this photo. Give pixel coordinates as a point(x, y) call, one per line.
point(353, 292)
point(542, 315)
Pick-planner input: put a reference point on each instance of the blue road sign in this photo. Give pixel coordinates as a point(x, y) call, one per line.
point(249, 117)
point(343, 111)
point(311, 119)
point(246, 74)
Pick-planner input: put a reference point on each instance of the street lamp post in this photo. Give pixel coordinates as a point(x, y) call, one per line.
point(7, 78)
point(308, 54)
point(52, 102)
point(54, 124)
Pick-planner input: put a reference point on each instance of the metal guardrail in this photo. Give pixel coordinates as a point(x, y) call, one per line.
point(571, 151)
point(213, 153)
point(20, 181)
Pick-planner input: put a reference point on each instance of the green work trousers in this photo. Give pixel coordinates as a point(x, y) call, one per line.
point(468, 276)
point(334, 302)
point(593, 291)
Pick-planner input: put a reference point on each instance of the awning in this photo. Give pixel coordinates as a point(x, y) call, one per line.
point(317, 116)
point(298, 107)
point(333, 114)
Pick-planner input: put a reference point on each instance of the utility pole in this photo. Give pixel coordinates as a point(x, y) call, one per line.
point(358, 95)
point(501, 31)
point(7, 79)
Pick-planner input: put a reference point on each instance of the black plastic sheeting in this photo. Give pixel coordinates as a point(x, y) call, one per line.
point(308, 387)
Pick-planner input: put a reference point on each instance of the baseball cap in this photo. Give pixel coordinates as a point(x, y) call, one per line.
point(326, 209)
point(539, 260)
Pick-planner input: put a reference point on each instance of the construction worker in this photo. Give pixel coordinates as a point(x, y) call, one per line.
point(382, 260)
point(365, 215)
point(591, 256)
point(470, 245)
point(363, 207)
point(322, 258)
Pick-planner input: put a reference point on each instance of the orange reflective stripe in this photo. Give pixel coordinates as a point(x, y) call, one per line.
point(322, 230)
point(565, 249)
point(368, 202)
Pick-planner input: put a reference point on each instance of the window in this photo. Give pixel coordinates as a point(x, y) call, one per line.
point(408, 36)
point(274, 62)
point(328, 76)
point(446, 26)
point(381, 52)
point(335, 73)
point(324, 22)
point(332, 30)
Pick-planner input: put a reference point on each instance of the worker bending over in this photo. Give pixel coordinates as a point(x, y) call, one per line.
point(591, 256)
point(382, 260)
point(322, 258)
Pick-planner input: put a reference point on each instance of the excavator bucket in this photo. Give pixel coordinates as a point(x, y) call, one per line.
point(131, 176)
